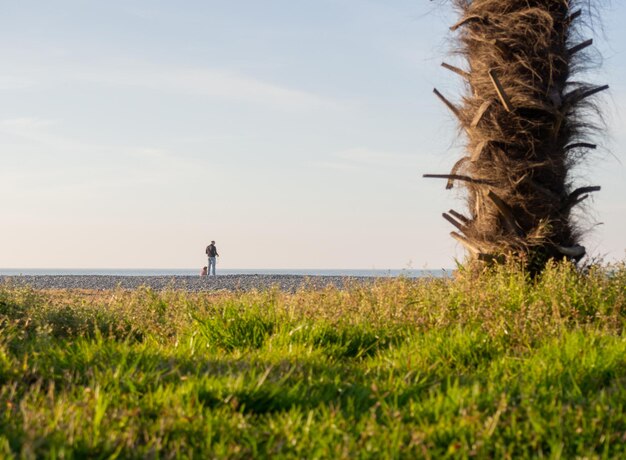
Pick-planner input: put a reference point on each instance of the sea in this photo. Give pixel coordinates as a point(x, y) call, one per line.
point(407, 273)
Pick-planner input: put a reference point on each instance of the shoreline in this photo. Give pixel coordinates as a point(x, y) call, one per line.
point(195, 283)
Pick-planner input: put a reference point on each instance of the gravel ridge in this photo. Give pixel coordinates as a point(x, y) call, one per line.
point(290, 283)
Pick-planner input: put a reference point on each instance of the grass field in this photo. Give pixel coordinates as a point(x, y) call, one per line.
point(495, 366)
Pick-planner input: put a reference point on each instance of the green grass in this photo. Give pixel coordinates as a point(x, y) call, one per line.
point(495, 366)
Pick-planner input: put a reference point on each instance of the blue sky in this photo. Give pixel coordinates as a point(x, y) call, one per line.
point(294, 133)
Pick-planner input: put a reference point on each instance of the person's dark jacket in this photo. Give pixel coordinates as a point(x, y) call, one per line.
point(211, 250)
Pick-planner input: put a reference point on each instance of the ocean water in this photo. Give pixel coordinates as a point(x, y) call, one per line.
point(409, 273)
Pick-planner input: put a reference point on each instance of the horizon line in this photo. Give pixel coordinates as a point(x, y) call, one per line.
point(222, 268)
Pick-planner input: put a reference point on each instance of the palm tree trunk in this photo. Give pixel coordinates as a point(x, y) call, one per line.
point(524, 117)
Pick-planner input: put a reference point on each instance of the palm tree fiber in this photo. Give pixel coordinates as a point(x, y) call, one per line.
point(526, 119)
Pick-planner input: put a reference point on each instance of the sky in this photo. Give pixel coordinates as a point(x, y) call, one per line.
point(294, 133)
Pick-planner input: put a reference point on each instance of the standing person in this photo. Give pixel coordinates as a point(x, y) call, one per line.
point(211, 252)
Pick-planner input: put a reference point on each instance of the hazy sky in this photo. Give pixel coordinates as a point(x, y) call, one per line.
point(294, 133)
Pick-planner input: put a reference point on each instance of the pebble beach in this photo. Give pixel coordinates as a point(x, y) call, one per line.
point(290, 283)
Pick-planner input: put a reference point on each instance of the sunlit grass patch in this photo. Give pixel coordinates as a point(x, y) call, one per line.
point(492, 366)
